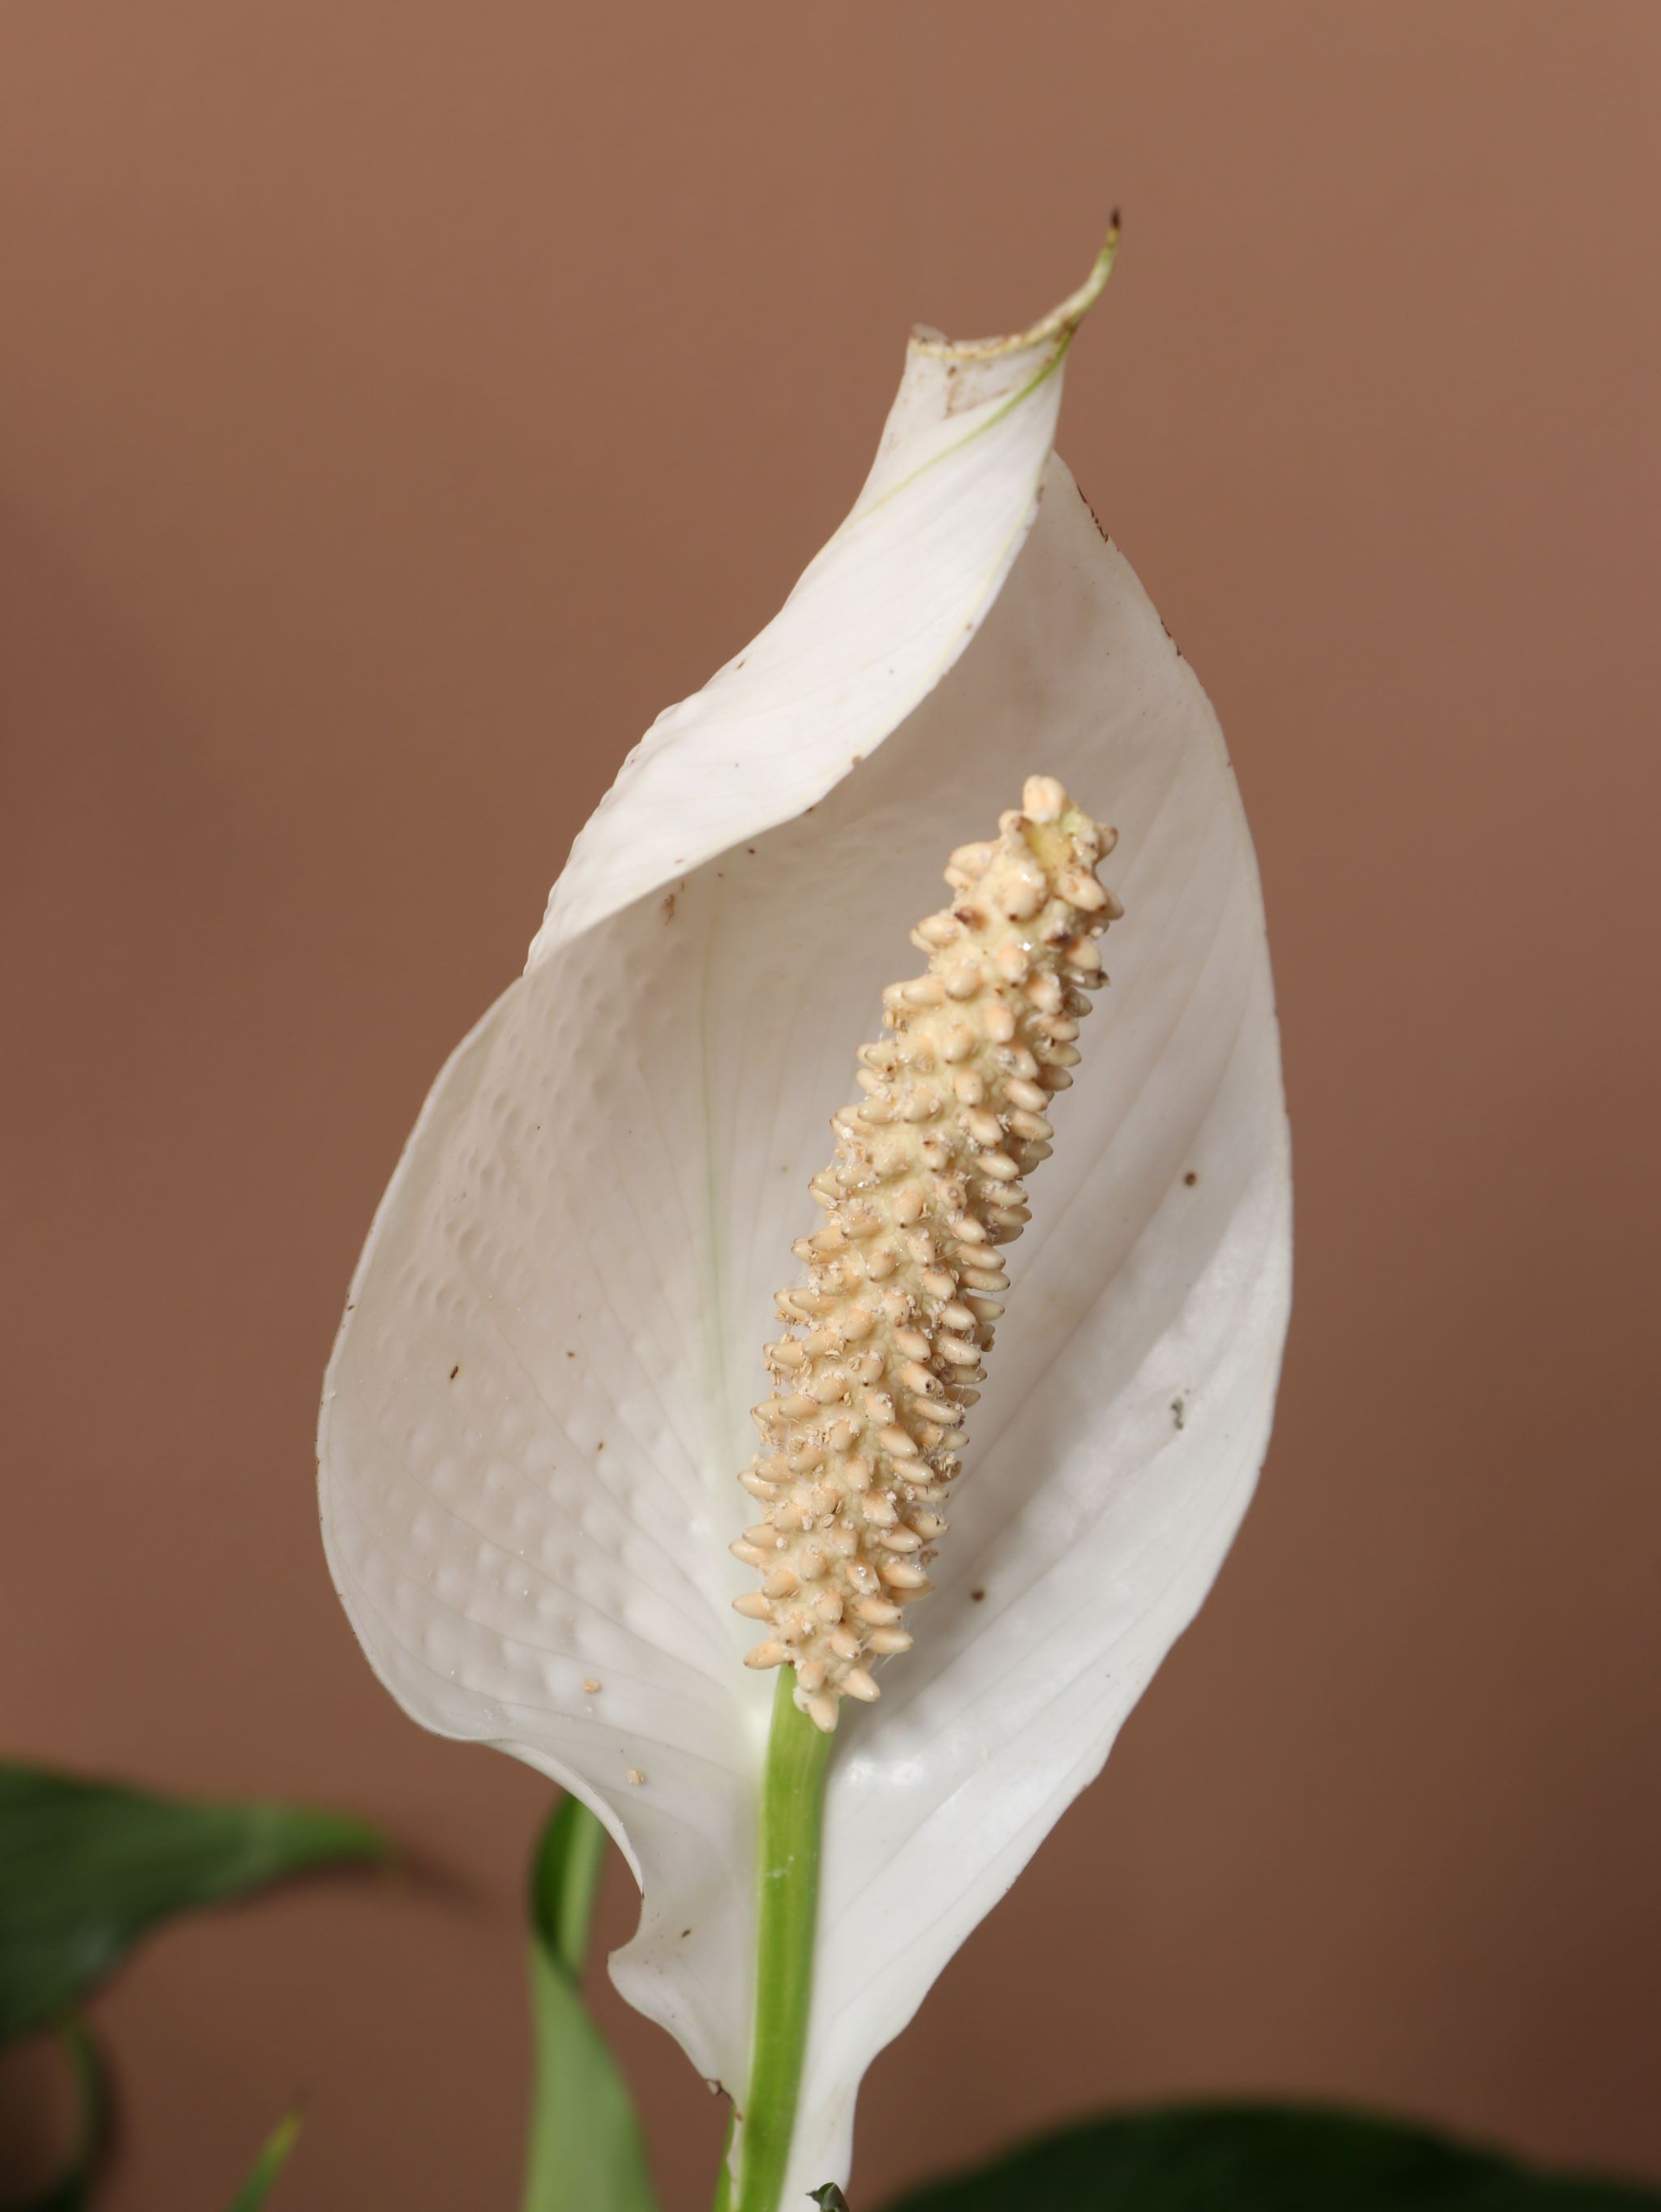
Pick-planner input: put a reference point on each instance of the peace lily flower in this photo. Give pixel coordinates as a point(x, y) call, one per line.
point(539, 1405)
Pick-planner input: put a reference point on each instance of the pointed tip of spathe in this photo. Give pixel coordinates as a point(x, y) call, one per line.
point(1062, 321)
point(1057, 328)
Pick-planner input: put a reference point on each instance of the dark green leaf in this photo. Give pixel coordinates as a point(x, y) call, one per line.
point(828, 2198)
point(273, 2157)
point(586, 2152)
point(72, 2190)
point(87, 1868)
point(1262, 2159)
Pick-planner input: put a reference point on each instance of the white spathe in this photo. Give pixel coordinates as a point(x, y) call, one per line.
point(537, 1409)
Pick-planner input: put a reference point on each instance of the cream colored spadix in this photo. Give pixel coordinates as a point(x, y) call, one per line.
point(863, 1433)
point(540, 1397)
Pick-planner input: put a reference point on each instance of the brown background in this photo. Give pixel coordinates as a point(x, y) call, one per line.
point(399, 402)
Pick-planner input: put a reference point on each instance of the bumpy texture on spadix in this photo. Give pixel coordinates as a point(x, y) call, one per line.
point(884, 1338)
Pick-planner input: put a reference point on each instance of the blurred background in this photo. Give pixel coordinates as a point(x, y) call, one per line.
point(399, 405)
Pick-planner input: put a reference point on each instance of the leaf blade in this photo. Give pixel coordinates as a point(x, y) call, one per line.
point(273, 2157)
point(1257, 2157)
point(586, 2152)
point(71, 2189)
point(88, 1868)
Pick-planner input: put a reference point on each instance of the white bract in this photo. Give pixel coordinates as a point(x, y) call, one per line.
point(538, 1406)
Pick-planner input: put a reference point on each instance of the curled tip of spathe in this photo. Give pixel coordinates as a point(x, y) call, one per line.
point(1055, 328)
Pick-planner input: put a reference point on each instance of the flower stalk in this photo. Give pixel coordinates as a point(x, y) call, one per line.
point(787, 1889)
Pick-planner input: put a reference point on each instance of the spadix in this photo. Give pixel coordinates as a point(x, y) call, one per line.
point(863, 1433)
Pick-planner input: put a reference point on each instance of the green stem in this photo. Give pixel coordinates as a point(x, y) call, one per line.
point(788, 1881)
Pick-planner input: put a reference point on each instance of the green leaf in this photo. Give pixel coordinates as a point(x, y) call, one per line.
point(72, 2190)
point(586, 2151)
point(1262, 2159)
point(87, 1868)
point(273, 2157)
point(828, 2198)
